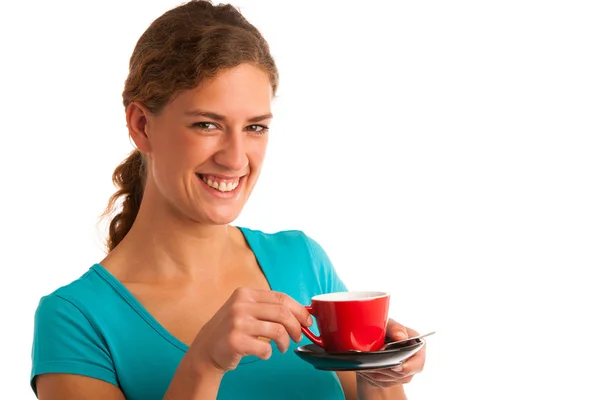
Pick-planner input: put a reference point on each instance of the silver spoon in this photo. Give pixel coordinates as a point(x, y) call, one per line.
point(390, 344)
point(387, 345)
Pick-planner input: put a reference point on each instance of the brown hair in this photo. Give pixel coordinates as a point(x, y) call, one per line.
point(184, 46)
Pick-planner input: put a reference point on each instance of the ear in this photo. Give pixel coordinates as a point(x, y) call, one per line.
point(137, 123)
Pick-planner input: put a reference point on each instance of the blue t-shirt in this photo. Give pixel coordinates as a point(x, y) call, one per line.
point(95, 327)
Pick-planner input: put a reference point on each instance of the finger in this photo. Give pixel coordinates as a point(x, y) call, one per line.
point(415, 363)
point(250, 346)
point(297, 309)
point(382, 378)
point(412, 333)
point(384, 375)
point(386, 380)
point(398, 368)
point(271, 330)
point(363, 376)
point(277, 313)
point(396, 331)
point(377, 383)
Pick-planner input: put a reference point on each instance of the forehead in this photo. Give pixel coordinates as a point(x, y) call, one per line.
point(243, 91)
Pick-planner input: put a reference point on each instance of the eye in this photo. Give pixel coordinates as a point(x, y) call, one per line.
point(205, 126)
point(258, 129)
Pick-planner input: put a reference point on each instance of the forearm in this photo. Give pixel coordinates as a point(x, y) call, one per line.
point(189, 384)
point(366, 391)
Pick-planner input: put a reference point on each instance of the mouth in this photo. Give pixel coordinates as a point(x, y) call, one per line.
point(221, 183)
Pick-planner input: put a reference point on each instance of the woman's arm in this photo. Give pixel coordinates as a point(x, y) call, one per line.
point(356, 388)
point(348, 381)
point(75, 387)
point(186, 385)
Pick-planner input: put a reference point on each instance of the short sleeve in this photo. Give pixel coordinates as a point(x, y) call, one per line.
point(330, 280)
point(64, 341)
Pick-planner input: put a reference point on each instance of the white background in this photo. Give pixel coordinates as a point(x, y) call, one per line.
point(447, 151)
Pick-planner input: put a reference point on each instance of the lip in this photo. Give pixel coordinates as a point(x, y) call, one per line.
point(222, 195)
point(223, 177)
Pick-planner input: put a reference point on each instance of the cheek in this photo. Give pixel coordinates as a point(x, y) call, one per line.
point(256, 153)
point(180, 150)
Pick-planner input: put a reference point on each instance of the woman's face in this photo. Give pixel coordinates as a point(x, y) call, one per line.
point(206, 147)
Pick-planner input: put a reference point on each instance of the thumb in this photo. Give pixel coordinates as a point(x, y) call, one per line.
point(396, 331)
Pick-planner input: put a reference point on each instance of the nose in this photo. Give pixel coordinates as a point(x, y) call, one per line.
point(232, 154)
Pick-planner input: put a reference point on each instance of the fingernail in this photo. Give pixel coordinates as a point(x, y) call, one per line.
point(397, 369)
point(309, 321)
point(401, 335)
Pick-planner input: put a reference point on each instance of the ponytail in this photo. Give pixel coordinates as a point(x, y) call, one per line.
point(129, 178)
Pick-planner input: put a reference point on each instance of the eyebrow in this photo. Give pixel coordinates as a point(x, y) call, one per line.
point(219, 117)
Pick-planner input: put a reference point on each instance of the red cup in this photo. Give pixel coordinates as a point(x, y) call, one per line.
point(349, 321)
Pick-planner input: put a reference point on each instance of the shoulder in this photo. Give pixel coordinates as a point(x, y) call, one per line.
point(67, 334)
point(76, 297)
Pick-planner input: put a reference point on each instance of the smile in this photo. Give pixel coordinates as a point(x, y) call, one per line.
point(221, 184)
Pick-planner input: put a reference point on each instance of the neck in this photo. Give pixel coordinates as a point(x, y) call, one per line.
point(162, 243)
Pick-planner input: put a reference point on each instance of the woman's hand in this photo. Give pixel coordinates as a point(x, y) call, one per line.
point(404, 373)
point(235, 330)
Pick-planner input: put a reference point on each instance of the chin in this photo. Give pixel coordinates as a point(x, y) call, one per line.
point(219, 217)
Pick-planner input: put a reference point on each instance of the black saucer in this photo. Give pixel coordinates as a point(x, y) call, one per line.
point(357, 361)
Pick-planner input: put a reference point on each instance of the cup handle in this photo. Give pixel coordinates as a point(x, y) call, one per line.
point(308, 333)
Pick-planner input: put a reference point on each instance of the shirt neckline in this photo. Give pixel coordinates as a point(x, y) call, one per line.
point(153, 322)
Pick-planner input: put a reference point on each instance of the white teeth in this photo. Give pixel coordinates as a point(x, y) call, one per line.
point(221, 186)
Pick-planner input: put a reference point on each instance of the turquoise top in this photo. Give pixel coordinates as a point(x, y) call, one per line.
point(95, 327)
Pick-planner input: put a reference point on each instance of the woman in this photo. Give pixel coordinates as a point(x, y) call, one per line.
point(186, 306)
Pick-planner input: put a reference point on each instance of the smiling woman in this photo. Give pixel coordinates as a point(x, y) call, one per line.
point(185, 305)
